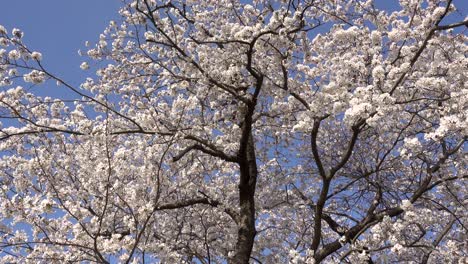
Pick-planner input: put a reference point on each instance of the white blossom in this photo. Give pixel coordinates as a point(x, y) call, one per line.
point(35, 77)
point(406, 205)
point(36, 56)
point(14, 55)
point(17, 33)
point(84, 66)
point(3, 30)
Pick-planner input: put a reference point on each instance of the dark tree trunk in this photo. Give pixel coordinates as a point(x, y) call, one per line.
point(246, 229)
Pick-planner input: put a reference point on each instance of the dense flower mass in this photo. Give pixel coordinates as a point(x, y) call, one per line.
point(236, 131)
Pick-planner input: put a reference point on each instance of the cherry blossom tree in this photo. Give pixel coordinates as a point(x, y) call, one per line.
point(264, 131)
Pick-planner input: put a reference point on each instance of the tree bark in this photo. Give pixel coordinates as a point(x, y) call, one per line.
point(246, 229)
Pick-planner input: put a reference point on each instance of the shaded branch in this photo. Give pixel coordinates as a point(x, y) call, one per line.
point(210, 152)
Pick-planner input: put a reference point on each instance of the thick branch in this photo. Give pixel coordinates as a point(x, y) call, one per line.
point(349, 150)
point(210, 152)
point(315, 152)
point(203, 200)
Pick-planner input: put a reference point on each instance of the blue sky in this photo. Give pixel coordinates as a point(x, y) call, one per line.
point(59, 28)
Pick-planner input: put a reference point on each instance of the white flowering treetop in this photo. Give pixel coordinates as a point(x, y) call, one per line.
point(263, 132)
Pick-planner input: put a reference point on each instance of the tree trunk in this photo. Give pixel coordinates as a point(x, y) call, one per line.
point(246, 229)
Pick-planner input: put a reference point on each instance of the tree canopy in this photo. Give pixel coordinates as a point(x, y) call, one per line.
point(264, 131)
